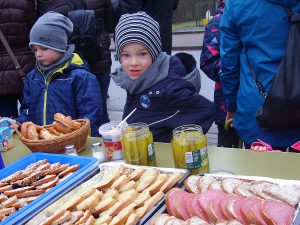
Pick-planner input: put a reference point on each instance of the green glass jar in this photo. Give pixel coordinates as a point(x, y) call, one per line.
point(189, 147)
point(138, 146)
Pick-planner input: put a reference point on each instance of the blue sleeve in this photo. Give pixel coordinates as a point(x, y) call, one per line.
point(89, 101)
point(25, 104)
point(231, 47)
point(210, 55)
point(194, 108)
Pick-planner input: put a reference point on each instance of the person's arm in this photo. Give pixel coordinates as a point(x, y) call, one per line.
point(231, 48)
point(25, 104)
point(88, 101)
point(194, 108)
point(121, 7)
point(175, 4)
point(210, 55)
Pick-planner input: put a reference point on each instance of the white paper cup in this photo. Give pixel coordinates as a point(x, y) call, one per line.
point(111, 136)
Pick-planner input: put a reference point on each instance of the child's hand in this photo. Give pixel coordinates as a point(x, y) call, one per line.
point(229, 121)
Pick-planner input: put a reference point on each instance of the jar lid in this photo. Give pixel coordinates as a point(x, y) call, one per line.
point(94, 145)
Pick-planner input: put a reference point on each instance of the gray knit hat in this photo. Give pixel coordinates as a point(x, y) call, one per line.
point(51, 30)
point(140, 28)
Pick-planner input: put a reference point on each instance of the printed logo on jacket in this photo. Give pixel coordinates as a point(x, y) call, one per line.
point(145, 101)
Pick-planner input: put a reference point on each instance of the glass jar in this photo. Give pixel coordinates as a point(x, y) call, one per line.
point(70, 150)
point(138, 147)
point(99, 152)
point(189, 147)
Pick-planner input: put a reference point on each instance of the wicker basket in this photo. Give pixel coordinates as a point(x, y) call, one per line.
point(77, 138)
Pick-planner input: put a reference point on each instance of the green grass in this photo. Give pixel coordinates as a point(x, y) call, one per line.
point(176, 26)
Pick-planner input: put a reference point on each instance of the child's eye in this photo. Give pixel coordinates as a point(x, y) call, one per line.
point(124, 55)
point(143, 53)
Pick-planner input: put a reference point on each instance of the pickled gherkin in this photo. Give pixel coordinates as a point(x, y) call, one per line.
point(137, 142)
point(190, 149)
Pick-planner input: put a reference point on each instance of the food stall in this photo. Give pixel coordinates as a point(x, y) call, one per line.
point(221, 161)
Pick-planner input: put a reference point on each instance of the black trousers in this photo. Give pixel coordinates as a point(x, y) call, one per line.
point(229, 138)
point(9, 105)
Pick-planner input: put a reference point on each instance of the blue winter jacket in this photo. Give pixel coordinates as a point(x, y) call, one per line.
point(167, 96)
point(71, 90)
point(261, 27)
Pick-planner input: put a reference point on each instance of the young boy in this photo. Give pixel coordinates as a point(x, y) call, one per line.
point(157, 84)
point(60, 81)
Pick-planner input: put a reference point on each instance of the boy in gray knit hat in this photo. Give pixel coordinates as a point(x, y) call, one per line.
point(60, 81)
point(157, 84)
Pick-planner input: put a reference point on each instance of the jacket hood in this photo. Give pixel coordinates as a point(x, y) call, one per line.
point(194, 78)
point(289, 3)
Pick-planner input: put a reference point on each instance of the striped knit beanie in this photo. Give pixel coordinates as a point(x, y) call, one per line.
point(139, 28)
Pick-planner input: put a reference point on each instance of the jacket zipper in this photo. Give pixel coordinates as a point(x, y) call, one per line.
point(45, 103)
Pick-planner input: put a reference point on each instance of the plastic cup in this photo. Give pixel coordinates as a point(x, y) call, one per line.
point(111, 136)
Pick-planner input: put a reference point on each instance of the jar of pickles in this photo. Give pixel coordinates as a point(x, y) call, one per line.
point(138, 147)
point(190, 149)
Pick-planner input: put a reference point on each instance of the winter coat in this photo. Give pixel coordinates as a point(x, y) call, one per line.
point(105, 24)
point(262, 27)
point(71, 90)
point(164, 98)
point(16, 19)
point(161, 11)
point(210, 61)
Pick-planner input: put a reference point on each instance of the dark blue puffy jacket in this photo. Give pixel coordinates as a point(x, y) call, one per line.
point(165, 98)
point(71, 90)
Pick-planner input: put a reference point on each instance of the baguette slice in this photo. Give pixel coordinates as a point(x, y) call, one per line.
point(120, 181)
point(204, 182)
point(142, 198)
point(54, 217)
point(103, 205)
point(196, 221)
point(130, 185)
point(161, 179)
point(149, 204)
point(123, 215)
point(90, 202)
point(103, 219)
point(174, 221)
point(228, 184)
point(137, 173)
point(111, 192)
point(147, 179)
point(160, 219)
point(67, 216)
point(107, 180)
point(132, 219)
point(191, 184)
point(173, 179)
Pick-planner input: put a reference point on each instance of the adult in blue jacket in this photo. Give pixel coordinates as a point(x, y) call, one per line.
point(262, 28)
point(60, 81)
point(157, 84)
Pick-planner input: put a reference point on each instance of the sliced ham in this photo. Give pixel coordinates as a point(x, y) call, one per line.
point(194, 208)
point(277, 213)
point(225, 202)
point(181, 203)
point(214, 208)
point(234, 208)
point(250, 210)
point(205, 199)
point(171, 199)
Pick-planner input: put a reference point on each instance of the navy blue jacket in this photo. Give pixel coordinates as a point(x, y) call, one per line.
point(165, 98)
point(71, 90)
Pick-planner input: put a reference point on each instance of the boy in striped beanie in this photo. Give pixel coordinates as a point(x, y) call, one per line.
point(157, 84)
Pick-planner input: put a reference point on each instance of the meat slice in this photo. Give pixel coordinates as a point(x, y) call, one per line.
point(194, 208)
point(224, 204)
point(214, 208)
point(276, 212)
point(205, 199)
point(234, 208)
point(251, 212)
point(171, 199)
point(181, 203)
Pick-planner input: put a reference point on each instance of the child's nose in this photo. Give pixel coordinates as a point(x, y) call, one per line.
point(133, 60)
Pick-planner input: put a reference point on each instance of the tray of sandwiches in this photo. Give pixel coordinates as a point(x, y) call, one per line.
point(119, 194)
point(36, 180)
point(224, 199)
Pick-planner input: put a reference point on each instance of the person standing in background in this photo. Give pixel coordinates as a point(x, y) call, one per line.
point(210, 65)
point(105, 24)
point(17, 18)
point(262, 28)
point(159, 10)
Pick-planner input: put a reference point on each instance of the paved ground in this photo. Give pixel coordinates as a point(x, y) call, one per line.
point(182, 41)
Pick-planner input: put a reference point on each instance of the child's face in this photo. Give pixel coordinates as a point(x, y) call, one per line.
point(46, 56)
point(135, 60)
